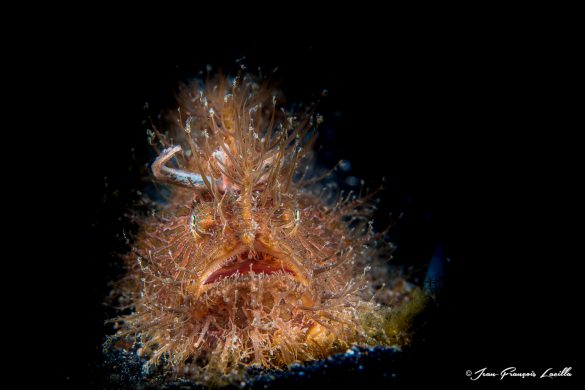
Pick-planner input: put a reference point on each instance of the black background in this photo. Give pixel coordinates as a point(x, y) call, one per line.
point(463, 119)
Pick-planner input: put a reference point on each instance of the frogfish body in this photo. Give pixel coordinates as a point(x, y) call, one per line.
point(250, 260)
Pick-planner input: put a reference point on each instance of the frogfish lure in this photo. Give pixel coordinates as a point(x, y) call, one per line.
point(251, 260)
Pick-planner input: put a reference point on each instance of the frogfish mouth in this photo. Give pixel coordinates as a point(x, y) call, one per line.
point(255, 261)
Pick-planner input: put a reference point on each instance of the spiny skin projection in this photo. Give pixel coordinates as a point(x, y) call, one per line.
point(250, 261)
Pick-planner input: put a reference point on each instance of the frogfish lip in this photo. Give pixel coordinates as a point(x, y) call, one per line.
point(245, 261)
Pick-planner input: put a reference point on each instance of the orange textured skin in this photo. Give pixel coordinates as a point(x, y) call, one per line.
point(244, 198)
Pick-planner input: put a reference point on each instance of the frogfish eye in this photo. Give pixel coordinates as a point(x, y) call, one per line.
point(201, 222)
point(282, 215)
point(286, 217)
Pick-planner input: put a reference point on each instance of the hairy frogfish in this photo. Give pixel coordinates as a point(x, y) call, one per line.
point(253, 258)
